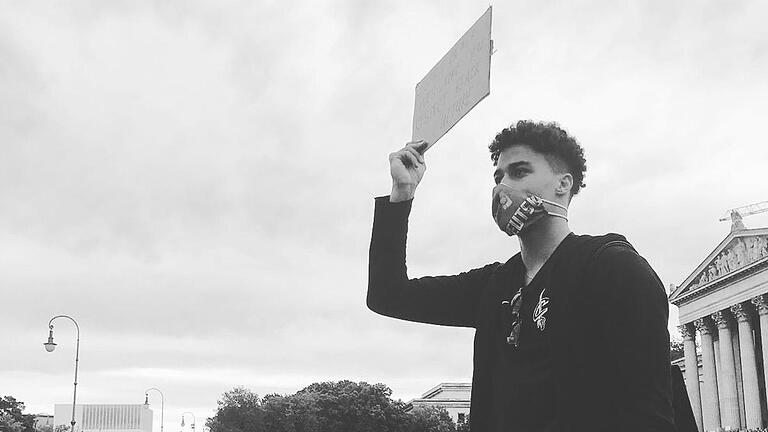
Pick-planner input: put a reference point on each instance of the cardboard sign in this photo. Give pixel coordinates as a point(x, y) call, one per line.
point(458, 82)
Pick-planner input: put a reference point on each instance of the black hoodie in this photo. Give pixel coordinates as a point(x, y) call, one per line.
point(607, 324)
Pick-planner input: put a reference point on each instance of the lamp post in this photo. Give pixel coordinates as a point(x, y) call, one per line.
point(50, 346)
point(162, 404)
point(193, 420)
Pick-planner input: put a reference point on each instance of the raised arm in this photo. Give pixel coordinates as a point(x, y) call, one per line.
point(444, 300)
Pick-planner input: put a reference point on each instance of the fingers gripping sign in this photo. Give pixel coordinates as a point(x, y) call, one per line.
point(407, 167)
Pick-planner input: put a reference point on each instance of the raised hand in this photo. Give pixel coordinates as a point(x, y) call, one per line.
point(407, 168)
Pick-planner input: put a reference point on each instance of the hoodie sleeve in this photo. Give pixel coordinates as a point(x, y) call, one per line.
point(633, 312)
point(443, 300)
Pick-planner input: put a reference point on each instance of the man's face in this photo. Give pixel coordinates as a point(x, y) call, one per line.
point(527, 172)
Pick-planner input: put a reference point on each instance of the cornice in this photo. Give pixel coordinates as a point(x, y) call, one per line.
point(722, 282)
point(675, 296)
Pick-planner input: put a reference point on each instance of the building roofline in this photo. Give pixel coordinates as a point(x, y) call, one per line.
point(444, 386)
point(680, 296)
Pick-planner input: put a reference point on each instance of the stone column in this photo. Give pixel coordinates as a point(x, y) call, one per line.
point(739, 376)
point(692, 371)
point(748, 366)
point(761, 304)
point(729, 397)
point(710, 405)
point(718, 366)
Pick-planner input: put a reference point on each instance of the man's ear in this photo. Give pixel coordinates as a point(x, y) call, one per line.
point(564, 184)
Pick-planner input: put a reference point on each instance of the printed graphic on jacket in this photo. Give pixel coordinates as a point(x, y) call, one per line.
point(539, 313)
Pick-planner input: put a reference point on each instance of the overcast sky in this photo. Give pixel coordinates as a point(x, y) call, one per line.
point(193, 181)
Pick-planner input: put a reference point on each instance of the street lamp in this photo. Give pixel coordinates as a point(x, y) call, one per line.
point(193, 420)
point(50, 346)
point(162, 404)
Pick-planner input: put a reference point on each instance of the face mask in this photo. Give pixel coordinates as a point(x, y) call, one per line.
point(514, 218)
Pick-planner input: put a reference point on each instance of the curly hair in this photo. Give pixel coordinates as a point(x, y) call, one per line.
point(563, 152)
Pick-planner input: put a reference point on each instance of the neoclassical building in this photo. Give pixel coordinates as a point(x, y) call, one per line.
point(723, 309)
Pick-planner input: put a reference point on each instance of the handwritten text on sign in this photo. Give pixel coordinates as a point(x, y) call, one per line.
point(458, 82)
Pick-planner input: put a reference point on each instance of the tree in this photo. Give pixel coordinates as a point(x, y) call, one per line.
point(9, 424)
point(463, 426)
point(303, 413)
point(342, 406)
point(12, 417)
point(277, 410)
point(239, 410)
point(345, 406)
point(433, 419)
point(676, 349)
point(296, 413)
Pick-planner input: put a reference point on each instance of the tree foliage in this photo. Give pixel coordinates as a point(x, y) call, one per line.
point(12, 417)
point(345, 406)
point(238, 410)
point(463, 426)
point(341, 406)
point(296, 413)
point(431, 419)
point(9, 424)
point(676, 349)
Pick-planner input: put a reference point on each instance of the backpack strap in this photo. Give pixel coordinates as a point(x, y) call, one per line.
point(612, 243)
point(592, 261)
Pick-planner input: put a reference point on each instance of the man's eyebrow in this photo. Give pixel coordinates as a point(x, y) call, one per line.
point(510, 167)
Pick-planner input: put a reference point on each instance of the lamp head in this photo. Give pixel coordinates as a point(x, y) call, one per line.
point(182, 420)
point(50, 345)
point(146, 398)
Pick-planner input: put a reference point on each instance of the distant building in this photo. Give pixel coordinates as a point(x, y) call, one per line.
point(105, 418)
point(44, 420)
point(454, 397)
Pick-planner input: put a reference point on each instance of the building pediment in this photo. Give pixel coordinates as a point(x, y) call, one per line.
point(740, 252)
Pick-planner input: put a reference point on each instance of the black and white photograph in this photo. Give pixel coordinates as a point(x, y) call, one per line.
point(383, 216)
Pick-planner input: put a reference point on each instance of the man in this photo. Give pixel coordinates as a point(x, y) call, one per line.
point(571, 333)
